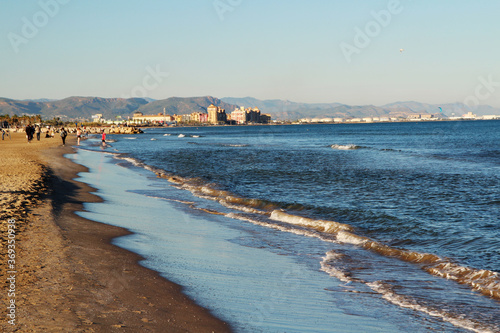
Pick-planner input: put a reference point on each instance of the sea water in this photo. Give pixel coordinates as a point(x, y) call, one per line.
point(314, 228)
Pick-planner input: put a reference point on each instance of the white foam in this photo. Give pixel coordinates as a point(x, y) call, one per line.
point(245, 209)
point(345, 147)
point(350, 238)
point(279, 227)
point(409, 303)
point(131, 160)
point(328, 267)
point(320, 225)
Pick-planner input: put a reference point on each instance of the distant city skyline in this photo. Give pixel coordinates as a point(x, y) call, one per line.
point(355, 53)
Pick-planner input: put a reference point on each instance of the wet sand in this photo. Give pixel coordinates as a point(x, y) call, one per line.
point(68, 275)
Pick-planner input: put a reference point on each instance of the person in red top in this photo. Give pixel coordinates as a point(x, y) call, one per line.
point(103, 138)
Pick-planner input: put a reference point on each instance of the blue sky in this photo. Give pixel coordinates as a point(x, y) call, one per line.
point(282, 49)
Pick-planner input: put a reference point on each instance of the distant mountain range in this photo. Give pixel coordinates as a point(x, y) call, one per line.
point(182, 105)
point(72, 108)
point(281, 109)
point(84, 107)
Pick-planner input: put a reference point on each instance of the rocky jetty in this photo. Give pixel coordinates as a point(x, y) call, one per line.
point(124, 130)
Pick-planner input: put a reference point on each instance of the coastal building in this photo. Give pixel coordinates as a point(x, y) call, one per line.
point(239, 116)
point(469, 115)
point(249, 115)
point(253, 115)
point(160, 118)
point(490, 117)
point(97, 118)
point(178, 118)
point(216, 114)
point(413, 116)
point(265, 118)
point(199, 117)
point(420, 116)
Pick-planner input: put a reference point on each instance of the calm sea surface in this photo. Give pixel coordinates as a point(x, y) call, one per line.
point(399, 221)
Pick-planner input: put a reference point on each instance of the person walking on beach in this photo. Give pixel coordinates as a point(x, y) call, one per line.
point(38, 131)
point(29, 132)
point(6, 132)
point(78, 134)
point(64, 134)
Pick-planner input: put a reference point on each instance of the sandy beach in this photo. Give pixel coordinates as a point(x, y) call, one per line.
point(65, 275)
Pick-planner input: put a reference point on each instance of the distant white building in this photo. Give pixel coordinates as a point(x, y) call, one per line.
point(490, 117)
point(469, 115)
point(97, 118)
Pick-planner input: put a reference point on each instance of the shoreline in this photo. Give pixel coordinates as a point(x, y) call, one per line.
point(65, 277)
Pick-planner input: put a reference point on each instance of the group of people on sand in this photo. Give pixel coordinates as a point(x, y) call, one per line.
point(36, 130)
point(31, 131)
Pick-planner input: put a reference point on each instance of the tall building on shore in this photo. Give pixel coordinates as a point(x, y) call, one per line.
point(216, 114)
point(249, 116)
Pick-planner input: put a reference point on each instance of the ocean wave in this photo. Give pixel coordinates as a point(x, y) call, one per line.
point(234, 145)
point(302, 232)
point(483, 281)
point(407, 302)
point(346, 147)
point(320, 225)
point(329, 265)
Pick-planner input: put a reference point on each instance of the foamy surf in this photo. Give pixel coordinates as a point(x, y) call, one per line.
point(407, 302)
point(320, 225)
point(483, 281)
point(345, 147)
point(329, 265)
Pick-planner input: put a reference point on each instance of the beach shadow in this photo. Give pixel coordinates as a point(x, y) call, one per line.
point(60, 192)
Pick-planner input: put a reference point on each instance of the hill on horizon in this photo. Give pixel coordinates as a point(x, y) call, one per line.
point(184, 105)
point(286, 110)
point(79, 108)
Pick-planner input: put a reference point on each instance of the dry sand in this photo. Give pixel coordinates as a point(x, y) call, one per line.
point(68, 277)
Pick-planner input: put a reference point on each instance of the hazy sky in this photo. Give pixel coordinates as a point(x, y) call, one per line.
point(303, 51)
